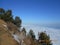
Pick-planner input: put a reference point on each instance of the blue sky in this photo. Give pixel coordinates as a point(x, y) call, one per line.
point(34, 11)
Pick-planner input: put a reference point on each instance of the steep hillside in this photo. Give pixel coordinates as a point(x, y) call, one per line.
point(5, 36)
point(13, 29)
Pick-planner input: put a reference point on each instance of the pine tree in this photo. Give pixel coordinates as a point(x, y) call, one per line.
point(8, 16)
point(17, 21)
point(32, 35)
point(24, 30)
point(2, 11)
point(44, 39)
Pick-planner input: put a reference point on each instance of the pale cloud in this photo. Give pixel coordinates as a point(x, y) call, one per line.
point(53, 32)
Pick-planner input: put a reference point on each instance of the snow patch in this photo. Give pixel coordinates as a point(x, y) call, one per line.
point(16, 38)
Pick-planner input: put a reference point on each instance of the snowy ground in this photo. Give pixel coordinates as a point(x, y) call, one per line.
point(53, 32)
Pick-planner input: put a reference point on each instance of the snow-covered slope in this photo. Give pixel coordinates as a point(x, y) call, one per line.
point(54, 33)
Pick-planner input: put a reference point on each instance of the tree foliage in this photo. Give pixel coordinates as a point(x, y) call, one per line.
point(2, 11)
point(32, 35)
point(17, 21)
point(44, 38)
point(8, 17)
point(24, 29)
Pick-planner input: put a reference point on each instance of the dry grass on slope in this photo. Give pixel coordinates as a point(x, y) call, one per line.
point(12, 28)
point(5, 37)
point(2, 22)
point(29, 41)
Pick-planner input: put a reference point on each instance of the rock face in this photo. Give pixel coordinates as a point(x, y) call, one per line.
point(5, 36)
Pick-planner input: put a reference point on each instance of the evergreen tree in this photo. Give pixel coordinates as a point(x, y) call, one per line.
point(8, 16)
point(44, 39)
point(17, 21)
point(2, 11)
point(32, 35)
point(24, 30)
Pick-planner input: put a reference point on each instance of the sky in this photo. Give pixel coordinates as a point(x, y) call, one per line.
point(34, 11)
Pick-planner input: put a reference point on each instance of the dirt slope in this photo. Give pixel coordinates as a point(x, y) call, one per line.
point(5, 36)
